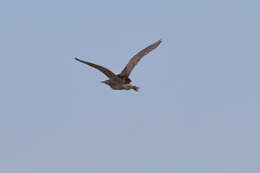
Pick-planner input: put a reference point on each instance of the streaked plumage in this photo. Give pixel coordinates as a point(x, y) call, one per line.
point(122, 81)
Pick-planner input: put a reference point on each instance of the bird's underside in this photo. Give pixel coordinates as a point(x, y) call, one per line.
point(122, 81)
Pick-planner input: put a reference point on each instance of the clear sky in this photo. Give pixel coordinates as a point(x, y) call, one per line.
point(198, 108)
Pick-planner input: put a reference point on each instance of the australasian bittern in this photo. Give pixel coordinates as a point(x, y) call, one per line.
point(122, 81)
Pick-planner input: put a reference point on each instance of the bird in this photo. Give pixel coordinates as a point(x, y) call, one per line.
point(122, 81)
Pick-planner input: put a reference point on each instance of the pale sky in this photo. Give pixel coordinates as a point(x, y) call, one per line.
point(198, 108)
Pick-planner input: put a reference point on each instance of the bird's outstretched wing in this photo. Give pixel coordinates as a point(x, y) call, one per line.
point(135, 59)
point(104, 70)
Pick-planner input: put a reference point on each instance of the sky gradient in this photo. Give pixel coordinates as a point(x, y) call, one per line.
point(198, 108)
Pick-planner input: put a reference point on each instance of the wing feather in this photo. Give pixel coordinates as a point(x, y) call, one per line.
point(136, 58)
point(104, 70)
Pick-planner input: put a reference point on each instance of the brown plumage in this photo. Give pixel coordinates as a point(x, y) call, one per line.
point(122, 81)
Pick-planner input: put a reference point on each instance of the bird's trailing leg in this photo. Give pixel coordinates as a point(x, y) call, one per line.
point(129, 86)
point(136, 88)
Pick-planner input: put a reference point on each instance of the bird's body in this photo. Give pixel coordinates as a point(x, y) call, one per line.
point(120, 85)
point(122, 81)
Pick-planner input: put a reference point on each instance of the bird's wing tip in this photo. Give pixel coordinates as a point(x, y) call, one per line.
point(77, 59)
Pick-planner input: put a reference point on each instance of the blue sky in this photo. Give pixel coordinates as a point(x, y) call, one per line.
point(197, 109)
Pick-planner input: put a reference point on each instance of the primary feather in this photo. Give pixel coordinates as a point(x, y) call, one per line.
point(104, 70)
point(136, 58)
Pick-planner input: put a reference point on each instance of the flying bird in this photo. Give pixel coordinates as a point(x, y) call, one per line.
point(122, 81)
